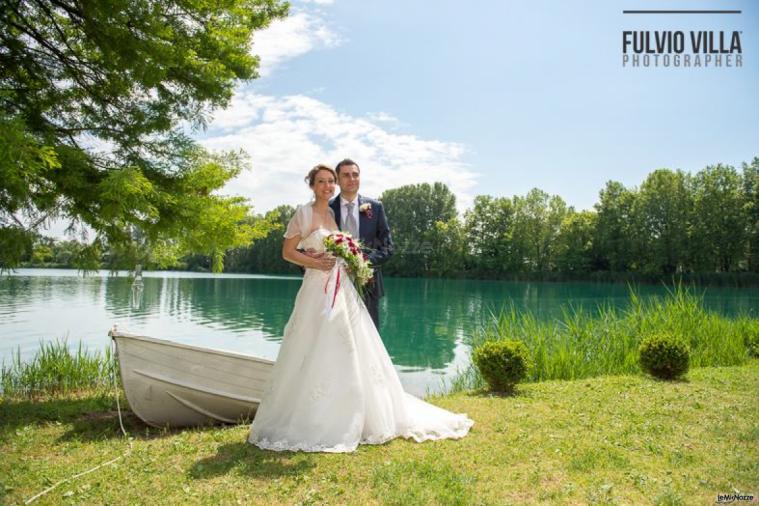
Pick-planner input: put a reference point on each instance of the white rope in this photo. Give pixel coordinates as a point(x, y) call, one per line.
point(121, 424)
point(32, 499)
point(114, 358)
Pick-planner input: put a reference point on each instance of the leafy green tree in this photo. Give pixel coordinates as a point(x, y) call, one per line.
point(616, 233)
point(751, 195)
point(449, 255)
point(43, 250)
point(265, 255)
point(412, 211)
point(64, 252)
point(664, 208)
point(94, 100)
point(720, 219)
point(488, 227)
point(574, 245)
point(537, 223)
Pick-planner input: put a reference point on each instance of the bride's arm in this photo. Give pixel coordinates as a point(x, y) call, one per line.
point(292, 255)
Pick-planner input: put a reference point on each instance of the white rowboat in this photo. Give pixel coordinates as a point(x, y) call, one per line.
point(178, 385)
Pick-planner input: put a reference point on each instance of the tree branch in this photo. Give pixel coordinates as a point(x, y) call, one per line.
point(65, 60)
point(70, 9)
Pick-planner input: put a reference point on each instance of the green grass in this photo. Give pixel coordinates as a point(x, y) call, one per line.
point(581, 344)
point(606, 434)
point(624, 439)
point(55, 368)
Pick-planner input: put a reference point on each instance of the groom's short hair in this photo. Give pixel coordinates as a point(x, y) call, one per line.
point(346, 161)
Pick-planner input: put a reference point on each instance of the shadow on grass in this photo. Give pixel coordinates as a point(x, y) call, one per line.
point(248, 460)
point(523, 390)
point(15, 413)
point(91, 418)
point(673, 381)
point(514, 393)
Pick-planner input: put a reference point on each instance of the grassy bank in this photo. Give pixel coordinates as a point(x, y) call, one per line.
point(582, 344)
point(617, 439)
point(56, 369)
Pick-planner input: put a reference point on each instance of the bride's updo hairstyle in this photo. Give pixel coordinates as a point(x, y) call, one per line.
point(311, 178)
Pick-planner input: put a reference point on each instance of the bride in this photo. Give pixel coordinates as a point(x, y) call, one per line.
point(333, 385)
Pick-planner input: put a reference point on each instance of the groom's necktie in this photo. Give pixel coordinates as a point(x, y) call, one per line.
point(350, 220)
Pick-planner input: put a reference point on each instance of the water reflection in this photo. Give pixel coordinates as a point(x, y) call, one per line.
point(426, 323)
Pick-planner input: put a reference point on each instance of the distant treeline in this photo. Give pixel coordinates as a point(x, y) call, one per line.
point(702, 227)
point(699, 226)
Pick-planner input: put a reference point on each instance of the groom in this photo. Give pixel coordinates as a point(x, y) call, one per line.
point(363, 218)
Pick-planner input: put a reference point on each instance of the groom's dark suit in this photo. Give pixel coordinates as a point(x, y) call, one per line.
point(374, 234)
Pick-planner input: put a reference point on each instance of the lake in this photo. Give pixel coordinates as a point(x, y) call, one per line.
point(426, 323)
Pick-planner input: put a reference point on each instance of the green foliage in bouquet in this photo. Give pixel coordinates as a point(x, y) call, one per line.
point(664, 356)
point(343, 246)
point(502, 363)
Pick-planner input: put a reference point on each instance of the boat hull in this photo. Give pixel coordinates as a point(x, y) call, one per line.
point(177, 385)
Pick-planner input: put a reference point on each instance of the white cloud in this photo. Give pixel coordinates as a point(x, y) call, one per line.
point(286, 136)
point(386, 119)
point(302, 31)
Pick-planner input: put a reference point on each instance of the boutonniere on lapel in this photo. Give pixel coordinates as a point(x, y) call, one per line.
point(366, 208)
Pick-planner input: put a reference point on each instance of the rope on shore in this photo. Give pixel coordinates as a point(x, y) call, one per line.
point(123, 431)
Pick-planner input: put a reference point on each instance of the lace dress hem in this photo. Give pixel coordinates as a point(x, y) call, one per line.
point(458, 431)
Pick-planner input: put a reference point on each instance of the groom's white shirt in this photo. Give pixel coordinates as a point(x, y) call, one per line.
point(344, 212)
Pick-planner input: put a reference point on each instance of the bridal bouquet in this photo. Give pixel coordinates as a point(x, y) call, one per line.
point(343, 246)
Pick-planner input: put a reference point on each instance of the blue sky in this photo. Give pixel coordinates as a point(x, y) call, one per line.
point(490, 97)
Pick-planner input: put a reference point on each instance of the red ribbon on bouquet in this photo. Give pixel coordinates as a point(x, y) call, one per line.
point(337, 285)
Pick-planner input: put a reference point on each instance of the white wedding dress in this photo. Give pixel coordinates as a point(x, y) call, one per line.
point(333, 385)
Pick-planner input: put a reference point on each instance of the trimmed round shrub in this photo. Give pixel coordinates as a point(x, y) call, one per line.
point(664, 356)
point(752, 341)
point(502, 363)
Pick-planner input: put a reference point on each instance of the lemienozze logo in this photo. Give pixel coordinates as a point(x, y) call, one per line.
point(703, 48)
point(730, 498)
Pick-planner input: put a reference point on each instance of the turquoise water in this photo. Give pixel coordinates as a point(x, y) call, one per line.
point(425, 323)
